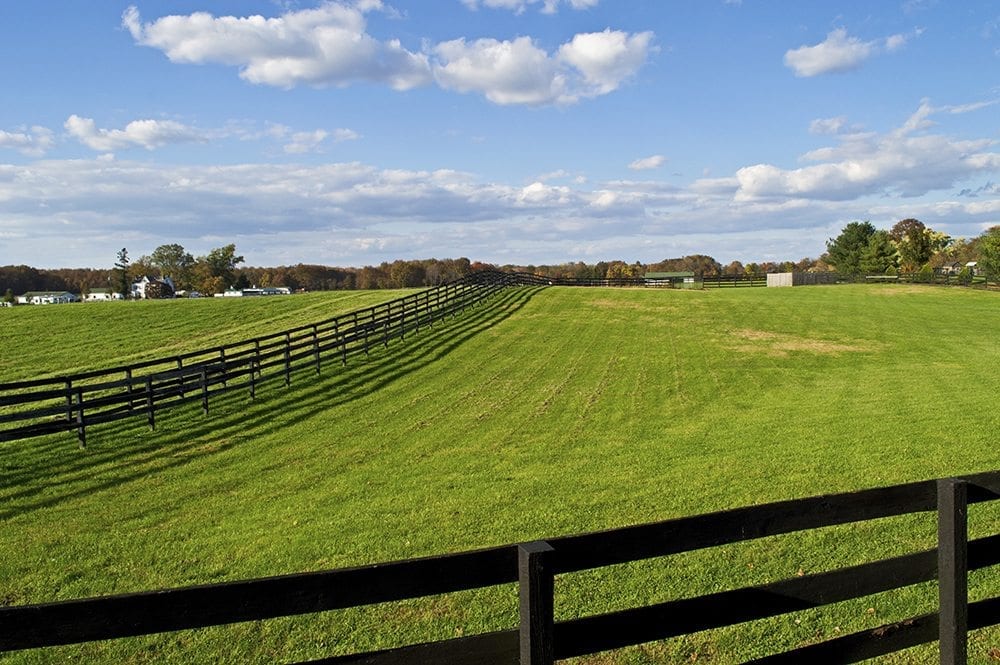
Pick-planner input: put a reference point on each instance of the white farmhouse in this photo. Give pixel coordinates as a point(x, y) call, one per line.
point(46, 298)
point(163, 288)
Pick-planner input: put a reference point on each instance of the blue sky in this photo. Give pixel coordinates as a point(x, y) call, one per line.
point(508, 131)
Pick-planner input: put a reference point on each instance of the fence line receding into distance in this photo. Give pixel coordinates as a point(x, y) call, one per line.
point(75, 402)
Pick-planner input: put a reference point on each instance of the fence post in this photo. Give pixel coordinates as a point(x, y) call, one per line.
point(81, 432)
point(69, 401)
point(253, 377)
point(128, 388)
point(180, 366)
point(953, 569)
point(203, 379)
point(150, 408)
point(222, 359)
point(316, 347)
point(535, 590)
point(288, 360)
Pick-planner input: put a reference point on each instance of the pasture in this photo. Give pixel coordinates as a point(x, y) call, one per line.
point(546, 412)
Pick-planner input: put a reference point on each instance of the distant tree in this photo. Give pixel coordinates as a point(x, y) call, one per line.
point(122, 272)
point(989, 253)
point(173, 262)
point(925, 274)
point(912, 243)
point(217, 270)
point(965, 276)
point(734, 268)
point(845, 250)
point(879, 254)
point(8, 296)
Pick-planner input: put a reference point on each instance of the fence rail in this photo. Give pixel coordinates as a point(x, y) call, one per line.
point(141, 390)
point(539, 639)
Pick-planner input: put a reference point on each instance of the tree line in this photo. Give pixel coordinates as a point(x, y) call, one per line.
point(910, 246)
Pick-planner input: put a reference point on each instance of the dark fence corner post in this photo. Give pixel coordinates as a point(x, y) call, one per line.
point(536, 591)
point(953, 569)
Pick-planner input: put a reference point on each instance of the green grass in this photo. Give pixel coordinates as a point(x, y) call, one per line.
point(54, 340)
point(548, 412)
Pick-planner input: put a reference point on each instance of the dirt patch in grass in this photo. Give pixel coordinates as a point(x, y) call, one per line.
point(779, 345)
point(619, 304)
point(898, 289)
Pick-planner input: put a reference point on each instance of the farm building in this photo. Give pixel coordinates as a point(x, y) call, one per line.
point(100, 295)
point(800, 278)
point(46, 298)
point(674, 280)
point(255, 291)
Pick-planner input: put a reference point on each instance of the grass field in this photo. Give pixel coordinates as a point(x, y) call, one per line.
point(548, 412)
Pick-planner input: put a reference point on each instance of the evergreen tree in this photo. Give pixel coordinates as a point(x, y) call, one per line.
point(879, 255)
point(122, 267)
point(846, 249)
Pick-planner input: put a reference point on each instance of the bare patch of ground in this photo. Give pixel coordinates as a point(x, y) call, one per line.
point(778, 344)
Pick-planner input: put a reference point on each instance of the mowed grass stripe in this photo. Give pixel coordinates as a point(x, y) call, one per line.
point(547, 412)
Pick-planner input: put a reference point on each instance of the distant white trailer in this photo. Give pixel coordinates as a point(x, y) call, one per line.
point(800, 278)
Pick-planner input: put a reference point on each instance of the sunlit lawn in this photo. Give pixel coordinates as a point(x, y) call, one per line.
point(548, 412)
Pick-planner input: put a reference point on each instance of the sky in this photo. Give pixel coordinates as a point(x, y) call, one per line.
point(353, 132)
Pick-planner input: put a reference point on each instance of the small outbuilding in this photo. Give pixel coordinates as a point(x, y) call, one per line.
point(673, 280)
point(100, 295)
point(46, 298)
point(800, 278)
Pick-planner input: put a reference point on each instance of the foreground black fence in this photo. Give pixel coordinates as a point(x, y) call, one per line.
point(74, 403)
point(534, 566)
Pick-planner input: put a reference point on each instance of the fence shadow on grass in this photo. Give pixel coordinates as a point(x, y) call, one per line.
point(51, 470)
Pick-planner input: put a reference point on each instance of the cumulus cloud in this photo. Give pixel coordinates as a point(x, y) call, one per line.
point(148, 134)
point(905, 161)
point(324, 46)
point(505, 72)
point(605, 59)
point(330, 46)
point(520, 72)
point(645, 163)
point(839, 52)
point(33, 142)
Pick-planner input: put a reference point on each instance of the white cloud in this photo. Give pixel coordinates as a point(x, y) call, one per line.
point(330, 46)
point(33, 142)
point(147, 134)
point(520, 72)
point(506, 72)
point(827, 125)
point(353, 213)
point(303, 142)
point(840, 52)
point(606, 58)
point(645, 163)
point(904, 162)
point(324, 46)
point(519, 6)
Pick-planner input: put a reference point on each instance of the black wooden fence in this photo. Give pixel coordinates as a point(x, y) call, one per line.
point(534, 566)
point(74, 403)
